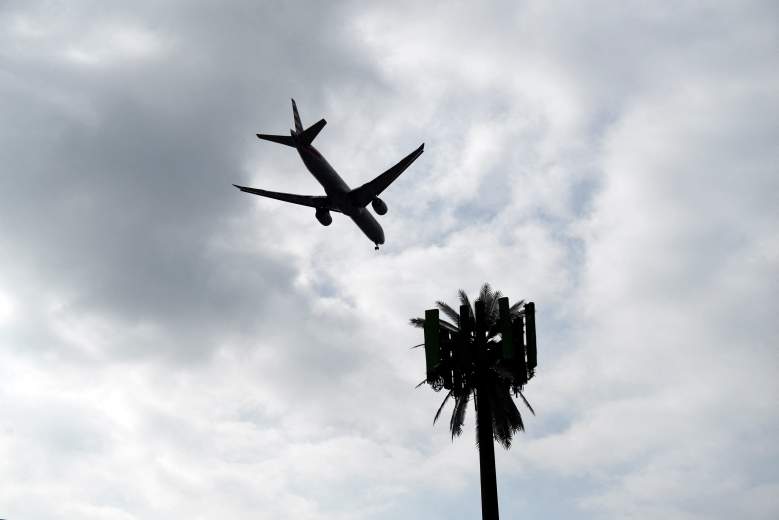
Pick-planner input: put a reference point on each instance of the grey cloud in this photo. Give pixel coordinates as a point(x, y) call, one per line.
point(117, 213)
point(212, 354)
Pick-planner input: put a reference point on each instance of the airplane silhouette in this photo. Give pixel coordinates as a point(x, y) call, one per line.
point(339, 198)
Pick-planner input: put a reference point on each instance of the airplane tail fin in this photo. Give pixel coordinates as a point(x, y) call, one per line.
point(310, 133)
point(298, 125)
point(297, 136)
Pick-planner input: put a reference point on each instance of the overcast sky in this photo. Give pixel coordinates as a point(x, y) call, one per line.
point(173, 348)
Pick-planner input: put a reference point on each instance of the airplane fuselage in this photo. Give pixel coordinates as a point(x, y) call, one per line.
point(338, 191)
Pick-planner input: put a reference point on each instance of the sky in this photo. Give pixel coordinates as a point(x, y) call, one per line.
point(173, 348)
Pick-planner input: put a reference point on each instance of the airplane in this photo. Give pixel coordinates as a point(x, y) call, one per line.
point(339, 197)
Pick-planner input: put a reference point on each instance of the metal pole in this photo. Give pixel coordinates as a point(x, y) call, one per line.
point(489, 485)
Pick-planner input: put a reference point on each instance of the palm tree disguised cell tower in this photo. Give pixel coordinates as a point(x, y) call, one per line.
point(487, 352)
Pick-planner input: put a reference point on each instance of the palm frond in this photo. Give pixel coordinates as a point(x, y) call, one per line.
point(417, 322)
point(506, 419)
point(484, 293)
point(445, 324)
point(476, 399)
point(420, 324)
point(526, 403)
point(449, 311)
point(443, 403)
point(512, 412)
point(491, 306)
point(501, 432)
point(458, 414)
point(464, 300)
point(517, 308)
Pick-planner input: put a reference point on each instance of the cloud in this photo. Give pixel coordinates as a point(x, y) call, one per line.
point(171, 347)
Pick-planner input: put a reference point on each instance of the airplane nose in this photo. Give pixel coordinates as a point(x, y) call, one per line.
point(369, 226)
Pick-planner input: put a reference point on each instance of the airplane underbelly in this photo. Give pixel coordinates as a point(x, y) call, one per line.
point(369, 225)
point(323, 172)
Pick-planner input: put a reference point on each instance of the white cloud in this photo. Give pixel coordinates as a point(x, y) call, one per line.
point(7, 308)
point(210, 354)
point(113, 45)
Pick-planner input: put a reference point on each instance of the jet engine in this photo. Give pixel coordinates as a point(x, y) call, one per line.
point(378, 206)
point(324, 217)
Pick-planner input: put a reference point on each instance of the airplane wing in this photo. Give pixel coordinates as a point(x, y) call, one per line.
point(319, 202)
point(366, 193)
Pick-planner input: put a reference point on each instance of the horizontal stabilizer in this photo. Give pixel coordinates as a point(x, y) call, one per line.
point(281, 139)
point(367, 192)
point(312, 131)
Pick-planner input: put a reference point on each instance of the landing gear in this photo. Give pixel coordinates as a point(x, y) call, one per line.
point(377, 247)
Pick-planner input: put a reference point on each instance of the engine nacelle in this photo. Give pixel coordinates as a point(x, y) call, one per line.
point(378, 206)
point(324, 217)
